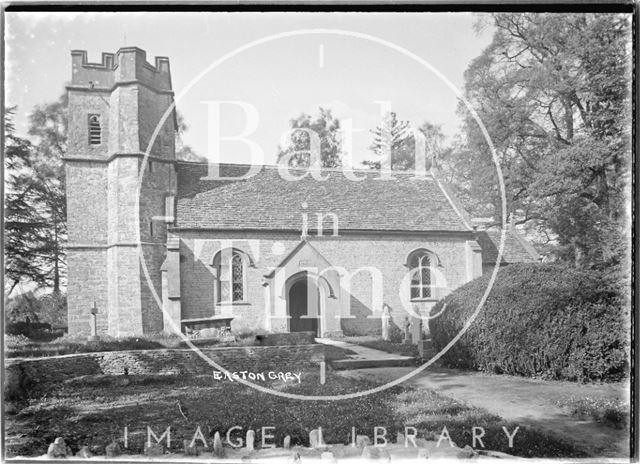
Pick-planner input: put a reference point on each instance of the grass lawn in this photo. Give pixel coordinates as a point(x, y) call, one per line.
point(93, 410)
point(403, 349)
point(612, 412)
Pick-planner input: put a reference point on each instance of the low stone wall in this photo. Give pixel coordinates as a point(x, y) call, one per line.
point(281, 339)
point(33, 371)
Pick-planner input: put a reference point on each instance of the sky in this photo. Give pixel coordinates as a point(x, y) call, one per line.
point(356, 77)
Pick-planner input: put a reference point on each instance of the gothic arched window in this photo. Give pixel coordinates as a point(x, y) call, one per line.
point(422, 279)
point(230, 282)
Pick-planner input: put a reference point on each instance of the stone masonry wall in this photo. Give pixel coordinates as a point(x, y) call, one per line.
point(387, 253)
point(86, 285)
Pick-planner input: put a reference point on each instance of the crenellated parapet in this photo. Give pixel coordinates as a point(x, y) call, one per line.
point(128, 65)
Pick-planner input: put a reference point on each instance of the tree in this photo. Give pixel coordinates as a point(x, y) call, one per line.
point(19, 219)
point(392, 138)
point(184, 152)
point(35, 203)
point(327, 129)
point(50, 308)
point(553, 91)
point(396, 139)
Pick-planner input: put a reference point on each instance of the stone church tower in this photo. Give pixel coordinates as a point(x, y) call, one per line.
point(116, 205)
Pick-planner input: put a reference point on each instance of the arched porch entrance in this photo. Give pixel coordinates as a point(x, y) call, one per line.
point(303, 293)
point(303, 305)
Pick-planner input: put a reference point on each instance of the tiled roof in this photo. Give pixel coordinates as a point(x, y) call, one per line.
point(267, 201)
point(516, 248)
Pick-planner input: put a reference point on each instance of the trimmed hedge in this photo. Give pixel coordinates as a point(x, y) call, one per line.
point(543, 320)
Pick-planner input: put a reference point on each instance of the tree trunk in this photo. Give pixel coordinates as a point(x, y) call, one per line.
point(568, 118)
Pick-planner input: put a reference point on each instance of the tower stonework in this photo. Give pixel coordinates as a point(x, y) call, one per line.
point(115, 202)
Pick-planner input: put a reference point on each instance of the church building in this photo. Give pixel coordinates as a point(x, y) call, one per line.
point(158, 244)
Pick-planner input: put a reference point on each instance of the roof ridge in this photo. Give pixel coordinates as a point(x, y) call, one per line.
point(453, 201)
point(394, 172)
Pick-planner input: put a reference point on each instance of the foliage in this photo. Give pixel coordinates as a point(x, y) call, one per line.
point(35, 203)
point(396, 334)
point(50, 308)
point(554, 93)
point(106, 405)
point(185, 152)
point(538, 320)
point(297, 153)
point(395, 143)
point(611, 412)
point(16, 341)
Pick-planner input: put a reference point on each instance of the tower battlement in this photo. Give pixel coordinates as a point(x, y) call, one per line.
point(128, 64)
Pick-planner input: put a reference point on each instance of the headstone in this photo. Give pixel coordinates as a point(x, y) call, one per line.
point(407, 330)
point(189, 449)
point(315, 438)
point(467, 453)
point(423, 348)
point(251, 438)
point(15, 379)
point(362, 441)
point(375, 452)
point(113, 450)
point(369, 452)
point(58, 449)
point(416, 330)
point(400, 438)
point(153, 449)
point(385, 322)
point(328, 456)
point(11, 408)
point(287, 442)
point(84, 452)
point(218, 450)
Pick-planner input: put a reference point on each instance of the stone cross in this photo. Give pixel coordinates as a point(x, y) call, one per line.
point(385, 322)
point(93, 323)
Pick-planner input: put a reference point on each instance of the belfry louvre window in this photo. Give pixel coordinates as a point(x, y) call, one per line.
point(95, 130)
